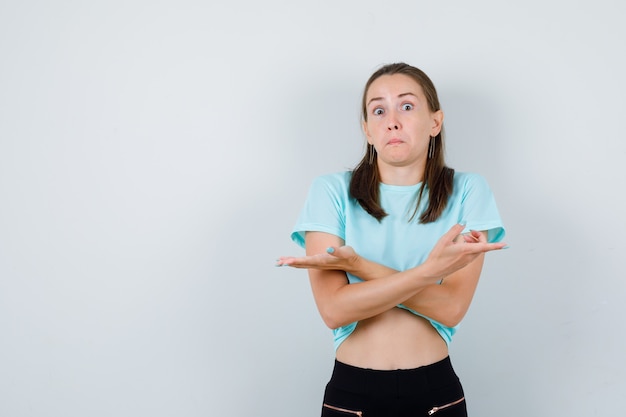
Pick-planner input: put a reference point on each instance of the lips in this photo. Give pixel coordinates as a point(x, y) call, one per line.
point(395, 141)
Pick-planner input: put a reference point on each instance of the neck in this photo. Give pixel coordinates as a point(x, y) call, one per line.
point(401, 175)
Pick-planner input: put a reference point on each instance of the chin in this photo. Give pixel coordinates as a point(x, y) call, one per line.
point(400, 160)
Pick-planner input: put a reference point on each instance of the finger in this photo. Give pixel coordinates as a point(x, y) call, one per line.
point(454, 231)
point(486, 247)
point(340, 252)
point(297, 262)
point(470, 238)
point(498, 246)
point(475, 236)
point(284, 260)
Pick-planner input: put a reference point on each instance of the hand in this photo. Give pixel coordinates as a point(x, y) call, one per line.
point(453, 251)
point(342, 258)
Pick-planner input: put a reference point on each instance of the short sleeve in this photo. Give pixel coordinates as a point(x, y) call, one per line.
point(324, 209)
point(479, 210)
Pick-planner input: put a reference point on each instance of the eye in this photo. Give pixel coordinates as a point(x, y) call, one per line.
point(377, 111)
point(407, 106)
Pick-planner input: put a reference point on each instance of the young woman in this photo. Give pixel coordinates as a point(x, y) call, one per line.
point(394, 250)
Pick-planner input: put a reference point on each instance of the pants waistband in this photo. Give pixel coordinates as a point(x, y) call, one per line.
point(393, 382)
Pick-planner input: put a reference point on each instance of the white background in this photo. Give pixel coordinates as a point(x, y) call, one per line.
point(154, 156)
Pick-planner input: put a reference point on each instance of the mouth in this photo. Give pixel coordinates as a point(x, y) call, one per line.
point(395, 141)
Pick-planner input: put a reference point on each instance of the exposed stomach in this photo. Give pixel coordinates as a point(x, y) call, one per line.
point(395, 339)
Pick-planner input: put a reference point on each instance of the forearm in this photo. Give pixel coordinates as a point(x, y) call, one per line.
point(343, 304)
point(448, 302)
point(384, 288)
point(441, 303)
point(434, 301)
point(369, 270)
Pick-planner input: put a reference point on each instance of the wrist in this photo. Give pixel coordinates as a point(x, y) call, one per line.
point(427, 274)
point(356, 265)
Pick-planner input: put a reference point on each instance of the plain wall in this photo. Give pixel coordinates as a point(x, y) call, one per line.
point(154, 157)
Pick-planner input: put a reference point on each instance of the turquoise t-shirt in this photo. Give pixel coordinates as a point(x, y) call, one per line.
point(395, 242)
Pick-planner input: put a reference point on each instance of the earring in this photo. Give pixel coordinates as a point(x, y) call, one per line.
point(371, 151)
point(431, 147)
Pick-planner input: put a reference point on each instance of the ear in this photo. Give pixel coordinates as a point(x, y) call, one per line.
point(366, 131)
point(437, 118)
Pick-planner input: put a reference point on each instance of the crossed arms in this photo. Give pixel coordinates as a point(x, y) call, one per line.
point(456, 259)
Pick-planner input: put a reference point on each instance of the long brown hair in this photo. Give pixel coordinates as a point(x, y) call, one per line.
point(438, 178)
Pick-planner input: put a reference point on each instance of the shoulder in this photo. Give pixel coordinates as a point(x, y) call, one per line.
point(336, 179)
point(324, 208)
point(335, 183)
point(468, 178)
point(465, 182)
point(476, 204)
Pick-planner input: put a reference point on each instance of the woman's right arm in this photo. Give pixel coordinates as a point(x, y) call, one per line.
point(341, 303)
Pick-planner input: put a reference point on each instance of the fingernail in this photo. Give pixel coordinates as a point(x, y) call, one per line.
point(506, 247)
point(330, 250)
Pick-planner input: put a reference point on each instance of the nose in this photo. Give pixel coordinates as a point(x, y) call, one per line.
point(393, 123)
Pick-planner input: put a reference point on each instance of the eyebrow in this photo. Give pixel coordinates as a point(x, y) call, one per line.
point(399, 96)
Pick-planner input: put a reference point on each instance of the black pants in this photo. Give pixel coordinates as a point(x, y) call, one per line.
point(432, 390)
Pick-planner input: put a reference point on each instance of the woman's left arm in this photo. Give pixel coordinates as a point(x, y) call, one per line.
point(448, 302)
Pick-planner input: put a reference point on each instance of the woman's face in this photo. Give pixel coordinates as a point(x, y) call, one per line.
point(399, 122)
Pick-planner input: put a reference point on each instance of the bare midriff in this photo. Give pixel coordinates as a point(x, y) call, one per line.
point(395, 339)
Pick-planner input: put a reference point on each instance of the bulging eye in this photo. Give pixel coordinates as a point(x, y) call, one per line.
point(407, 106)
point(378, 111)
